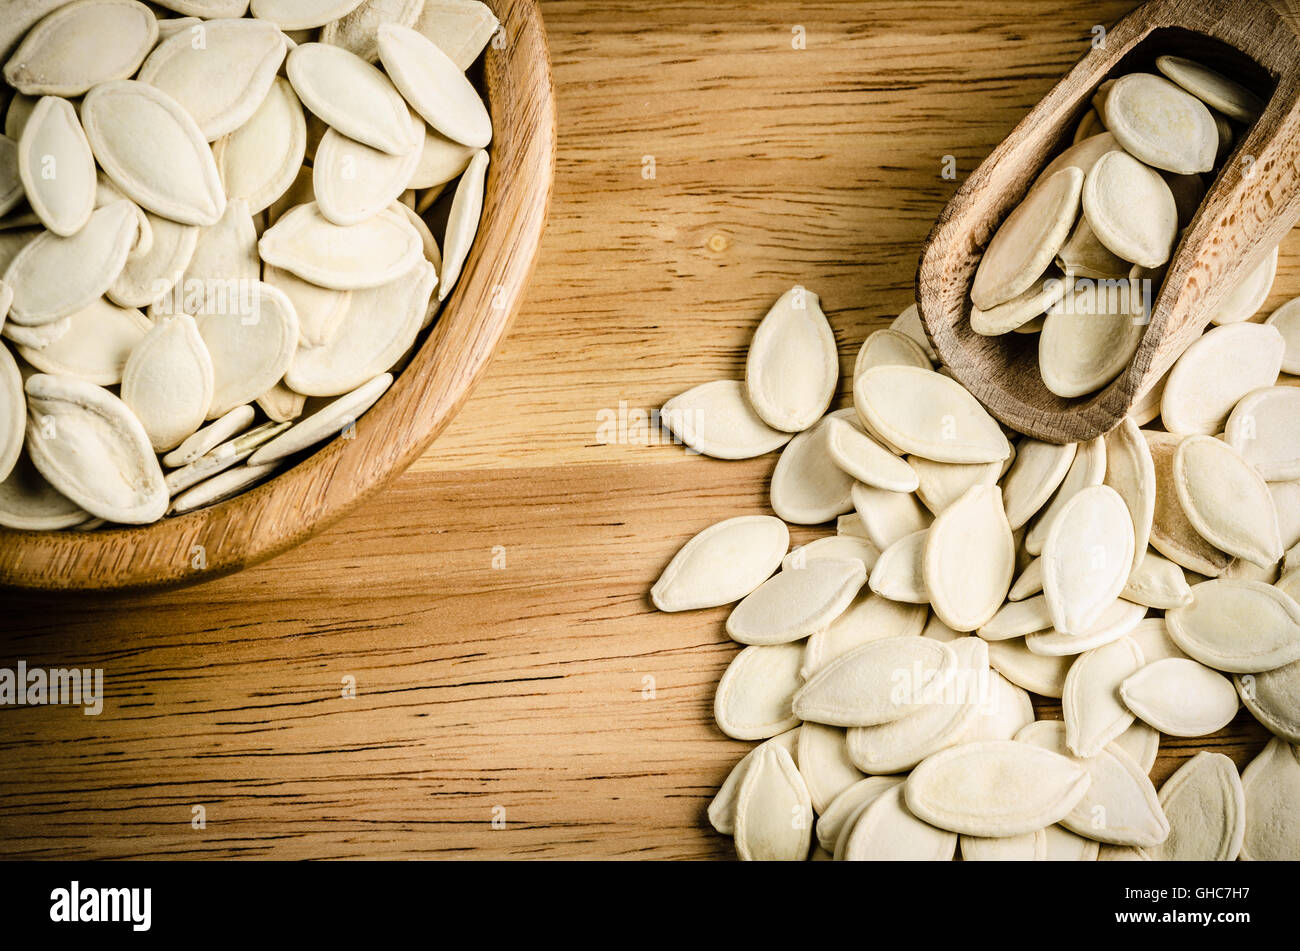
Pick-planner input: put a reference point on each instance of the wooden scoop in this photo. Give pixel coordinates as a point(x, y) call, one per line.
point(1251, 205)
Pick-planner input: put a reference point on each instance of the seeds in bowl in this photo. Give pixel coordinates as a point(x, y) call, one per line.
point(211, 260)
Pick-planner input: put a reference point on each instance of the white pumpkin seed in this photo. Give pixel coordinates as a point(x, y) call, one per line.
point(358, 30)
point(1271, 786)
point(259, 160)
point(1004, 711)
point(1265, 428)
point(1088, 469)
point(1037, 673)
point(832, 547)
point(881, 681)
point(969, 559)
point(1131, 473)
point(898, 573)
point(1087, 558)
point(28, 501)
point(1016, 313)
point(1152, 636)
point(1215, 372)
point(302, 14)
point(869, 618)
point(95, 345)
point(54, 277)
point(1090, 702)
point(1273, 698)
point(1029, 847)
point(251, 344)
point(353, 182)
point(93, 450)
point(1085, 256)
point(282, 404)
point(722, 564)
point(1028, 240)
point(887, 830)
point(352, 96)
point(928, 415)
point(463, 222)
point(885, 347)
point(320, 310)
point(995, 788)
point(1087, 341)
point(461, 28)
point(1037, 472)
point(1215, 90)
point(773, 810)
point(434, 85)
point(1247, 296)
point(1161, 124)
point(1172, 534)
point(715, 419)
point(56, 167)
point(81, 45)
point(792, 365)
point(824, 763)
point(791, 605)
point(1016, 619)
point(13, 412)
point(168, 382)
point(378, 251)
point(223, 268)
point(866, 460)
point(222, 457)
point(909, 324)
point(1238, 626)
point(1115, 621)
point(939, 484)
point(1180, 697)
point(887, 516)
point(1226, 500)
point(1157, 583)
point(722, 810)
point(808, 488)
point(149, 275)
point(1120, 806)
point(1206, 807)
point(204, 440)
point(833, 820)
point(753, 699)
point(441, 160)
point(220, 487)
point(1029, 582)
point(1131, 209)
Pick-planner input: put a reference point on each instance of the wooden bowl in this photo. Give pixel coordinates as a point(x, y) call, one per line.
point(396, 430)
point(1248, 209)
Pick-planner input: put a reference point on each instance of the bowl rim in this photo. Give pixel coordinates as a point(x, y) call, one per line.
point(423, 399)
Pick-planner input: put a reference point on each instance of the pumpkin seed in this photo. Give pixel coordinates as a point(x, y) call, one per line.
point(807, 487)
point(1172, 534)
point(1003, 712)
point(791, 605)
point(440, 161)
point(93, 450)
point(1238, 626)
point(56, 167)
point(1206, 807)
point(886, 516)
point(928, 415)
point(995, 788)
point(881, 681)
point(462, 222)
point(832, 547)
point(824, 763)
point(753, 699)
point(1037, 673)
point(1016, 313)
point(353, 182)
point(1087, 558)
point(1215, 372)
point(884, 347)
point(1131, 209)
point(1086, 470)
point(887, 829)
point(222, 457)
point(722, 564)
point(1247, 296)
point(869, 618)
point(833, 821)
point(461, 28)
point(1090, 702)
point(358, 29)
point(259, 160)
point(378, 251)
point(866, 460)
point(282, 404)
point(1180, 697)
point(1265, 428)
point(1037, 472)
point(969, 559)
point(1016, 619)
point(1157, 583)
point(81, 45)
point(1115, 621)
point(168, 381)
point(715, 419)
point(28, 501)
point(251, 345)
point(95, 345)
point(220, 487)
point(1131, 473)
point(1226, 500)
point(1273, 698)
point(352, 96)
point(203, 440)
point(147, 276)
point(302, 14)
point(1028, 240)
point(722, 810)
point(939, 484)
point(1084, 255)
point(434, 85)
point(909, 324)
point(1231, 98)
point(1270, 786)
point(1161, 124)
point(1029, 582)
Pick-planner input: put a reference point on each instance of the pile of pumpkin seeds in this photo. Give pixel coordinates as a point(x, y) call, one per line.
point(1080, 260)
point(1148, 579)
point(214, 252)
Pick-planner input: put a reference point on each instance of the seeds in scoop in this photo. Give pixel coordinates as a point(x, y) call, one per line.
point(168, 381)
point(1171, 533)
point(1087, 341)
point(351, 96)
point(56, 167)
point(774, 813)
point(808, 488)
point(824, 763)
point(259, 160)
point(378, 251)
point(1161, 124)
point(722, 810)
point(866, 460)
point(1265, 428)
point(754, 696)
point(1157, 583)
point(1226, 500)
point(1131, 209)
point(1206, 807)
point(969, 559)
point(1180, 697)
point(861, 688)
point(722, 564)
point(929, 415)
point(381, 323)
point(1215, 372)
point(1085, 256)
point(1086, 470)
point(462, 222)
point(1231, 98)
point(153, 151)
point(995, 788)
point(715, 419)
point(1087, 558)
point(54, 277)
point(1120, 806)
point(91, 448)
point(95, 345)
point(1016, 313)
point(1270, 786)
point(81, 45)
point(434, 86)
point(869, 618)
point(1247, 296)
point(897, 574)
point(794, 604)
point(1090, 702)
point(1238, 626)
point(1028, 239)
point(793, 365)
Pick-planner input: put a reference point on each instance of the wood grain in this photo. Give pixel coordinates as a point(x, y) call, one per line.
point(523, 686)
point(1249, 208)
point(426, 395)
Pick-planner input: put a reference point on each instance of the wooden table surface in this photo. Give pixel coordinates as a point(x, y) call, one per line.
point(515, 694)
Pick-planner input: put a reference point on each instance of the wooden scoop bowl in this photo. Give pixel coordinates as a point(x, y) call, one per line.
point(1251, 205)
